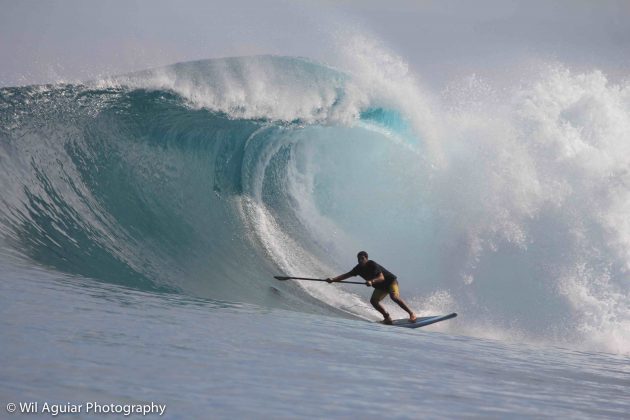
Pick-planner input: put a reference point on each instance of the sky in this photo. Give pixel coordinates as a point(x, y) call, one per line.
point(72, 40)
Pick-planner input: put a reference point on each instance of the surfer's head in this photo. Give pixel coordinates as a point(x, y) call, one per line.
point(362, 257)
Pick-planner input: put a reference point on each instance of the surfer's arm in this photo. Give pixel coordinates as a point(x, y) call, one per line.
point(340, 278)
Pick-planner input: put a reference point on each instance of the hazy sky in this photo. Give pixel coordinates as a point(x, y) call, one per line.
point(47, 41)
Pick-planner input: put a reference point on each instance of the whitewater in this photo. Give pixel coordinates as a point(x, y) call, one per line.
point(143, 217)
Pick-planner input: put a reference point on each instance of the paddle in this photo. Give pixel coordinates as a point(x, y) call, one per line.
point(310, 279)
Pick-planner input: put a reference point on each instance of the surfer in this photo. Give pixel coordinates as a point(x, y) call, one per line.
point(383, 281)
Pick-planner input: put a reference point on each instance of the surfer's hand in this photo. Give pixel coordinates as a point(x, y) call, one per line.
point(368, 283)
point(329, 280)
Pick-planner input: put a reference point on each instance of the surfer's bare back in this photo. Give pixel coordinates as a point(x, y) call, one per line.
point(383, 281)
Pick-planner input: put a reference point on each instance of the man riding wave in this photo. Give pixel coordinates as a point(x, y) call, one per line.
point(382, 280)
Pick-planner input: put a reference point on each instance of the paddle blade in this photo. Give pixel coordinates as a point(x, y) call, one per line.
point(281, 278)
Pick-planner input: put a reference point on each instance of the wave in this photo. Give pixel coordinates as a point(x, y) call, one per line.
point(209, 177)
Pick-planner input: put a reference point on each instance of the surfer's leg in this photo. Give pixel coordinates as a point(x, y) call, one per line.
point(394, 294)
point(377, 296)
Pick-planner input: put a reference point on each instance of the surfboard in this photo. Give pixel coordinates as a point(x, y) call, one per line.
point(422, 321)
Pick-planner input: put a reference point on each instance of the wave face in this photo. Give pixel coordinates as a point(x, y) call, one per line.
point(209, 177)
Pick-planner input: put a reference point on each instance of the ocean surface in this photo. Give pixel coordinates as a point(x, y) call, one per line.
point(143, 217)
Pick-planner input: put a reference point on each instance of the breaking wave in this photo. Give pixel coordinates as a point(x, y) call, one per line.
point(210, 177)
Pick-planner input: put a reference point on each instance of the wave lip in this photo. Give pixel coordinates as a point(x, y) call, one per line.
point(277, 88)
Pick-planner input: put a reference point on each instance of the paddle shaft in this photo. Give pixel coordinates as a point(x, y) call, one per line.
point(311, 279)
